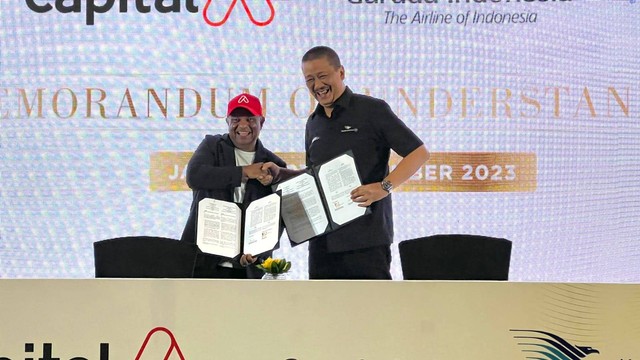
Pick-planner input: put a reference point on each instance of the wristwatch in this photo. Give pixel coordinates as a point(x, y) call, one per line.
point(386, 185)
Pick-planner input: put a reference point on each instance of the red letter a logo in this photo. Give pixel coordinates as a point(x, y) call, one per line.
point(246, 9)
point(172, 345)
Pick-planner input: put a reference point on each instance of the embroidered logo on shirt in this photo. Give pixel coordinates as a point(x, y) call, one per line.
point(348, 128)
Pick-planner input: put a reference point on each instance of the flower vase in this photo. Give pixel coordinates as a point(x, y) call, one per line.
point(270, 276)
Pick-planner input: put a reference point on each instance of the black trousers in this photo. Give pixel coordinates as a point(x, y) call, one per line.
point(370, 263)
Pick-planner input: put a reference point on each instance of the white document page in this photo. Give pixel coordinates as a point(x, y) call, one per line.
point(219, 227)
point(302, 209)
point(262, 225)
point(338, 178)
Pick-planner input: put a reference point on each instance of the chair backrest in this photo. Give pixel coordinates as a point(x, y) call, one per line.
point(144, 257)
point(455, 257)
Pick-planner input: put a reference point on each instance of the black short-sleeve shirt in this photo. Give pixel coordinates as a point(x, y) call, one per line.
point(368, 127)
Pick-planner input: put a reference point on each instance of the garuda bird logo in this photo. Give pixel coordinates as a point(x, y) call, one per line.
point(542, 345)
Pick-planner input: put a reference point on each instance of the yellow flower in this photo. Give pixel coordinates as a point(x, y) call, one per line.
point(267, 264)
point(275, 266)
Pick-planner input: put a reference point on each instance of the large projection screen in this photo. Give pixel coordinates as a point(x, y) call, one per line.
point(529, 108)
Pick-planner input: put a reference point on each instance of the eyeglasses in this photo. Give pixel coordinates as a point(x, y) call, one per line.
point(252, 120)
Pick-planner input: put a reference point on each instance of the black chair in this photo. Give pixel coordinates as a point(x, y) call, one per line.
point(144, 257)
point(455, 257)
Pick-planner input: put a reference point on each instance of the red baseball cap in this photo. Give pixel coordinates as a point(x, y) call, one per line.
point(246, 101)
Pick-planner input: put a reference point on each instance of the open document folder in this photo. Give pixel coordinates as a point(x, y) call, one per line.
point(318, 200)
point(226, 229)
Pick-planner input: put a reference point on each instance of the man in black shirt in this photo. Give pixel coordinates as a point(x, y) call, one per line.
point(368, 127)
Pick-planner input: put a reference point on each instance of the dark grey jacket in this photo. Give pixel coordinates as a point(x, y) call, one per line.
point(212, 173)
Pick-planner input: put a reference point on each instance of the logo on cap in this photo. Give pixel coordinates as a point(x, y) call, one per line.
point(246, 101)
point(246, 10)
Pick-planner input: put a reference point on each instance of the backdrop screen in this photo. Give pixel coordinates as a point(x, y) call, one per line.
point(530, 110)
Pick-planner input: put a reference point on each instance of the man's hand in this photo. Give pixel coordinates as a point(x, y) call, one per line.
point(253, 171)
point(272, 168)
point(270, 171)
point(366, 195)
point(247, 259)
point(278, 173)
point(265, 179)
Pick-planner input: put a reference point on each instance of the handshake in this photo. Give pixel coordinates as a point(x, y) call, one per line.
point(263, 172)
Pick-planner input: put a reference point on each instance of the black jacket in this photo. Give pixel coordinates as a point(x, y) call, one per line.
point(212, 173)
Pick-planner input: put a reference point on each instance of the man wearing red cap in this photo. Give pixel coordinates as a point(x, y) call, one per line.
point(229, 167)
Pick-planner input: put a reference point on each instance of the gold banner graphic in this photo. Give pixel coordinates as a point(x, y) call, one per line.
point(444, 172)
